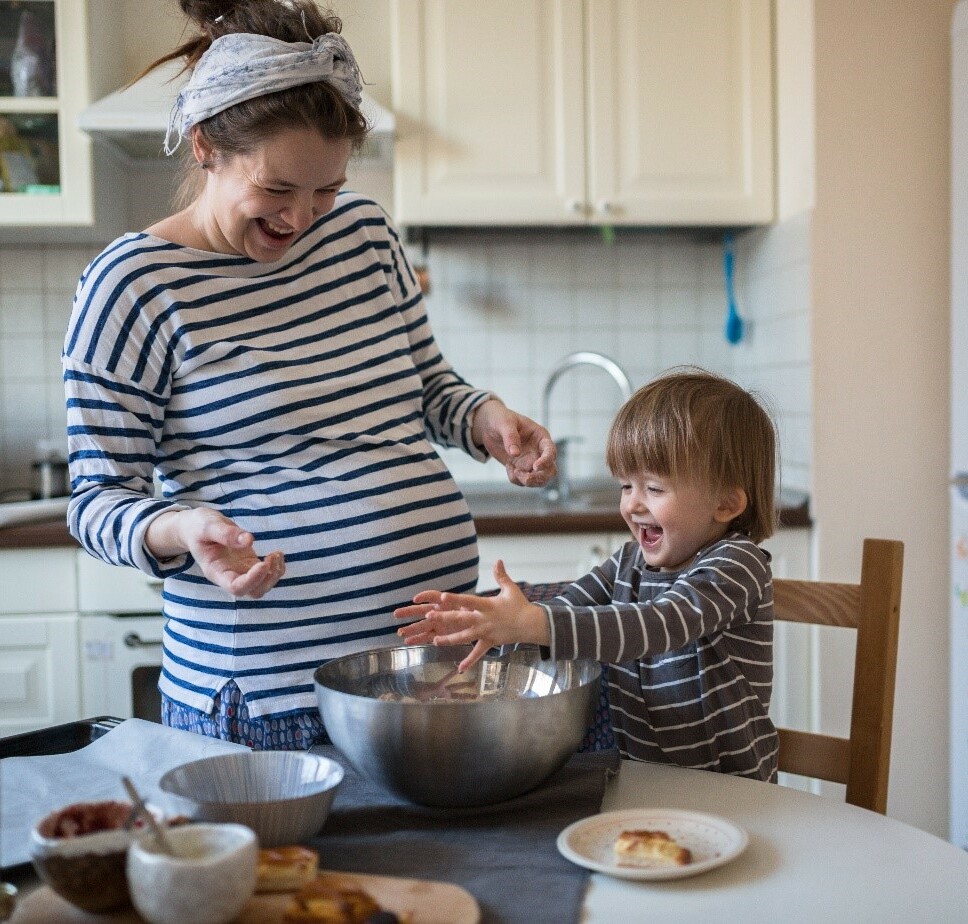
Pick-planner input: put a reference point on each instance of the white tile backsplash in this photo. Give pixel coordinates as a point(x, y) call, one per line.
point(21, 313)
point(774, 270)
point(36, 289)
point(506, 307)
point(21, 268)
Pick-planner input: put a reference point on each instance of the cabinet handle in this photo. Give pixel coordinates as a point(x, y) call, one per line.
point(575, 206)
point(605, 207)
point(133, 640)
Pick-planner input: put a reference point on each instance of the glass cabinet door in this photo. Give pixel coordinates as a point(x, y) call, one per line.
point(29, 131)
point(56, 56)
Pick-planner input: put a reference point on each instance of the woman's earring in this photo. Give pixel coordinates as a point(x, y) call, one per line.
point(204, 164)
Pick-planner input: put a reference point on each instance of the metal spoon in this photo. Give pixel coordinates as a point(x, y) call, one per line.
point(156, 830)
point(8, 900)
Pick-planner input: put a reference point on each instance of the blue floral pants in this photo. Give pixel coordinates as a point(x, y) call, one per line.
point(230, 721)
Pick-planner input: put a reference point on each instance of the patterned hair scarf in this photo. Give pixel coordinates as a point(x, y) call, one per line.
point(242, 66)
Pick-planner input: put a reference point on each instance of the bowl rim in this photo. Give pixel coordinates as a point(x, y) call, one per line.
point(100, 842)
point(245, 834)
point(329, 784)
point(483, 701)
point(97, 843)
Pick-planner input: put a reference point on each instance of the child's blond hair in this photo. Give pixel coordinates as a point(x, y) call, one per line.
point(691, 425)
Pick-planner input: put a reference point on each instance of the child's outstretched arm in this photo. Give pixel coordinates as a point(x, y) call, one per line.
point(485, 622)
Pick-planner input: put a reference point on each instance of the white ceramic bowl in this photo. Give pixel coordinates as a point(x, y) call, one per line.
point(208, 882)
point(284, 796)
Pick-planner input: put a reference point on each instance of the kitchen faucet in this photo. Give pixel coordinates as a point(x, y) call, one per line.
point(559, 488)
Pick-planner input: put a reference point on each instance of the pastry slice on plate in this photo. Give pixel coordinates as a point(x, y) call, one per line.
point(649, 848)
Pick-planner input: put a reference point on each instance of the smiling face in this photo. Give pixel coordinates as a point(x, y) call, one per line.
point(258, 204)
point(671, 520)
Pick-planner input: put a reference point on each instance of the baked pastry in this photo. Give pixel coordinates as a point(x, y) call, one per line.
point(326, 900)
point(649, 848)
point(285, 869)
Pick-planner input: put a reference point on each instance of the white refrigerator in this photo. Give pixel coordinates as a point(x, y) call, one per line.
point(958, 595)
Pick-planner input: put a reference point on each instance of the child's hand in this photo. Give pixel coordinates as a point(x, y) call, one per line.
point(464, 619)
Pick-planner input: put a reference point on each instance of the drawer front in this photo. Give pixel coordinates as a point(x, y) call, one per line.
point(105, 588)
point(38, 581)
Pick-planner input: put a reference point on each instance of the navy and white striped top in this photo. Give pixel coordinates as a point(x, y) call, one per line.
point(300, 399)
point(689, 653)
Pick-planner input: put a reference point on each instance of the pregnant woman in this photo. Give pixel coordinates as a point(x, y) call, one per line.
point(265, 354)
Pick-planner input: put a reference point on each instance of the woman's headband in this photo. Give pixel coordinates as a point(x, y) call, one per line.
point(242, 66)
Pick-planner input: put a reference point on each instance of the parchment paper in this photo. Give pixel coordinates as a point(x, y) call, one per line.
point(31, 787)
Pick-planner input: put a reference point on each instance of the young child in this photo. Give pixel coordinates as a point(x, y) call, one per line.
point(683, 614)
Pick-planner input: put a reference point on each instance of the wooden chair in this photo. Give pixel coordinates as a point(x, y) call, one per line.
point(871, 607)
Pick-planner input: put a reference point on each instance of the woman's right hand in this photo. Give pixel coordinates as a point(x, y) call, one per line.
point(222, 550)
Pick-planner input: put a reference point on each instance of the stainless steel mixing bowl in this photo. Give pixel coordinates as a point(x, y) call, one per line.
point(507, 725)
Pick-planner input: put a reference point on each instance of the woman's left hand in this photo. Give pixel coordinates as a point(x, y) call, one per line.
point(524, 447)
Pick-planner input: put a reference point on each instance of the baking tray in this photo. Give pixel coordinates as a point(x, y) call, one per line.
point(58, 739)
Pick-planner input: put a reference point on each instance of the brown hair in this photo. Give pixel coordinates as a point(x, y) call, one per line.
point(692, 425)
point(246, 125)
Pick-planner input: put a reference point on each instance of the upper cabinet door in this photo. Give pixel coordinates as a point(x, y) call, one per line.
point(680, 111)
point(58, 53)
point(490, 120)
point(547, 112)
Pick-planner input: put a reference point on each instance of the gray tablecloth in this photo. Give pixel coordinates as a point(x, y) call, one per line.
point(504, 855)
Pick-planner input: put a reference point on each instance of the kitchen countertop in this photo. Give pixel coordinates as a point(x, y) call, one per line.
point(497, 509)
point(591, 507)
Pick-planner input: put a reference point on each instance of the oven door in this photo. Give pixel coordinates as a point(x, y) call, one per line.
point(120, 665)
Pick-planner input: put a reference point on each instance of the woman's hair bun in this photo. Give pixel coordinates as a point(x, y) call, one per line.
point(286, 20)
point(205, 12)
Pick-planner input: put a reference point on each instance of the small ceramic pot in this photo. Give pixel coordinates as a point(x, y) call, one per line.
point(209, 881)
point(85, 869)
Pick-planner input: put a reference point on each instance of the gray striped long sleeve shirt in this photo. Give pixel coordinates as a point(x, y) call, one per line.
point(689, 654)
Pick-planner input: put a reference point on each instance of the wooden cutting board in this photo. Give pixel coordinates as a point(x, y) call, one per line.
point(427, 901)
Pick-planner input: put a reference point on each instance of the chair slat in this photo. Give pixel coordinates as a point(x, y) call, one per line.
point(816, 602)
point(807, 754)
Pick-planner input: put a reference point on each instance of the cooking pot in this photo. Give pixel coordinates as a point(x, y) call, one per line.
point(50, 479)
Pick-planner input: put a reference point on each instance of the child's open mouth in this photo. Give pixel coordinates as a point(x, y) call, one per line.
point(650, 535)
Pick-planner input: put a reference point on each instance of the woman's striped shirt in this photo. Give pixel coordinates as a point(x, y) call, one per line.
point(299, 398)
point(689, 653)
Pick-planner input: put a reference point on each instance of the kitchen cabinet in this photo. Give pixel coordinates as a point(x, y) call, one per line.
point(40, 580)
point(55, 57)
point(39, 648)
point(539, 559)
point(39, 671)
point(572, 112)
point(790, 549)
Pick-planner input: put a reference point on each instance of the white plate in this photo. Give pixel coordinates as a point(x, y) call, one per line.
point(712, 841)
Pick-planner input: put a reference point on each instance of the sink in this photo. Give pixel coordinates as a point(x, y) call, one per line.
point(587, 496)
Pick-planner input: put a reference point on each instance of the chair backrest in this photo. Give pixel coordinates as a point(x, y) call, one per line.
point(872, 607)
